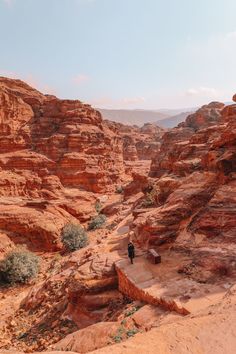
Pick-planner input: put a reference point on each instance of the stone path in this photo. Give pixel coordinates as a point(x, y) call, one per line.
point(162, 285)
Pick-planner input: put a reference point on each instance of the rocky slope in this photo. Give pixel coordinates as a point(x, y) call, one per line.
point(193, 190)
point(51, 150)
point(138, 143)
point(57, 159)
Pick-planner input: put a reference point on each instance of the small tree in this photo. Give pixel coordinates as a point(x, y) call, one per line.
point(19, 267)
point(74, 237)
point(97, 222)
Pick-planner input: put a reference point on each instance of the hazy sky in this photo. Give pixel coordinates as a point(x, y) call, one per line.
point(122, 53)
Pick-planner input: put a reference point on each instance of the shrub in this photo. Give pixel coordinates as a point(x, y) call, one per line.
point(132, 311)
point(74, 237)
point(131, 332)
point(19, 267)
point(98, 206)
point(119, 189)
point(118, 337)
point(97, 222)
point(149, 200)
point(111, 226)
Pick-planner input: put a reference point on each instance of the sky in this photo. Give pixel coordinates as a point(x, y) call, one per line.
point(144, 54)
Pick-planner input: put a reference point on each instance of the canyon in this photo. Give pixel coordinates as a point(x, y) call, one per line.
point(172, 190)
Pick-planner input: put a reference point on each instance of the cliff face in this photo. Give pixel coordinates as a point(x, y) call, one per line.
point(138, 143)
point(63, 138)
point(193, 182)
point(182, 147)
point(51, 150)
point(55, 155)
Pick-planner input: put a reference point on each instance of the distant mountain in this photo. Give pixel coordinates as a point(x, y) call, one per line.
point(174, 111)
point(177, 116)
point(132, 117)
point(164, 118)
point(173, 121)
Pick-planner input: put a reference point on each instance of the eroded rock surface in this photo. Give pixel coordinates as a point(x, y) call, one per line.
point(51, 150)
point(138, 143)
point(201, 162)
point(60, 163)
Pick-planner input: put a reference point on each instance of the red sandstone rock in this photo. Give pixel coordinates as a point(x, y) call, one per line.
point(93, 337)
point(76, 145)
point(193, 187)
point(218, 218)
point(6, 245)
point(138, 143)
point(207, 115)
point(138, 183)
point(49, 147)
point(92, 291)
point(37, 225)
point(208, 194)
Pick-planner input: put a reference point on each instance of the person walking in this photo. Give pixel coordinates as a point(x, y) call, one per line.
point(131, 253)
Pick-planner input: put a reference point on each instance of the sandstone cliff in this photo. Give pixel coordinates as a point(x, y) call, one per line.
point(56, 158)
point(51, 150)
point(138, 143)
point(193, 182)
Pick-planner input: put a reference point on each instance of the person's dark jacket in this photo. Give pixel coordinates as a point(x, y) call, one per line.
point(131, 250)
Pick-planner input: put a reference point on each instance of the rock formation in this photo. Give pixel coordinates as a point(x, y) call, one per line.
point(193, 181)
point(138, 143)
point(51, 150)
point(63, 138)
point(59, 163)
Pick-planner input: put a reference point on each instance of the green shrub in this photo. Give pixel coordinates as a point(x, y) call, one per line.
point(74, 237)
point(132, 311)
point(149, 200)
point(118, 337)
point(98, 206)
point(97, 222)
point(119, 189)
point(19, 267)
point(131, 332)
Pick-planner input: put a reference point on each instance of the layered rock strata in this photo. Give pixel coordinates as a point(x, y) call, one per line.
point(51, 150)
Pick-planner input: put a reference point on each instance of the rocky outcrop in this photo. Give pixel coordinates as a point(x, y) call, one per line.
point(187, 335)
point(37, 226)
point(65, 138)
point(51, 151)
point(93, 337)
point(162, 224)
point(139, 183)
point(56, 156)
point(92, 292)
point(204, 117)
point(130, 286)
point(138, 143)
point(183, 147)
point(6, 245)
point(78, 290)
point(201, 162)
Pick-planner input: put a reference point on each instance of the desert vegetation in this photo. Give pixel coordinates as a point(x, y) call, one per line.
point(97, 222)
point(19, 267)
point(73, 237)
